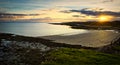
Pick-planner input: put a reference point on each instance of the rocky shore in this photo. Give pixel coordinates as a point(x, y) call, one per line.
point(112, 48)
point(22, 50)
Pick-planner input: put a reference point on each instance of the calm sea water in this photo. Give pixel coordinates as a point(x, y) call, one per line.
point(38, 29)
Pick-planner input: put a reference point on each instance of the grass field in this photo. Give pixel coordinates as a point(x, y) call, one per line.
point(70, 56)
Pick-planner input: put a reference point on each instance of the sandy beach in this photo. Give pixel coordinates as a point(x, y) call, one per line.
point(93, 38)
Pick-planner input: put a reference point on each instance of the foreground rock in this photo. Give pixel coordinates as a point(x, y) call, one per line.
point(22, 50)
point(16, 50)
point(112, 48)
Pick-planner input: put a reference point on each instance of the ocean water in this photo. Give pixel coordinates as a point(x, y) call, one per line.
point(38, 29)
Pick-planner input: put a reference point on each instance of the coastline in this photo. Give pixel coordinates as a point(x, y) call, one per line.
point(93, 38)
point(16, 48)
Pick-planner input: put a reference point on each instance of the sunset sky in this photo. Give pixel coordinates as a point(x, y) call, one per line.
point(58, 10)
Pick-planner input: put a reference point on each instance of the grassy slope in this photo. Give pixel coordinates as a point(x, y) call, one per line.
point(70, 56)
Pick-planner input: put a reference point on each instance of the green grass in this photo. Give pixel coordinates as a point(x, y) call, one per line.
point(116, 48)
point(70, 56)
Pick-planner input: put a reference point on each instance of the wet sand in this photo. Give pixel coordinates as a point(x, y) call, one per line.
point(93, 38)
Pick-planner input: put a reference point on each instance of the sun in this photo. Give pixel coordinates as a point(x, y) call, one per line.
point(105, 18)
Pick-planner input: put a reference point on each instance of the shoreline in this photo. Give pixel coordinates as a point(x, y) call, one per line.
point(47, 42)
point(16, 48)
point(52, 39)
point(91, 39)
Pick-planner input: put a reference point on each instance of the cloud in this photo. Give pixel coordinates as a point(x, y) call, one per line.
point(59, 14)
point(10, 16)
point(76, 15)
point(93, 12)
point(3, 10)
point(48, 14)
point(51, 14)
point(106, 1)
point(19, 15)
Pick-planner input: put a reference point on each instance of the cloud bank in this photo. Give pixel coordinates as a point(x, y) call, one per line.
point(60, 15)
point(96, 12)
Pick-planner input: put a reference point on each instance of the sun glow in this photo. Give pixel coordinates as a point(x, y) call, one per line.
point(105, 18)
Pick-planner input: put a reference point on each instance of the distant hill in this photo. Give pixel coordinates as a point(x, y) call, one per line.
point(92, 25)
